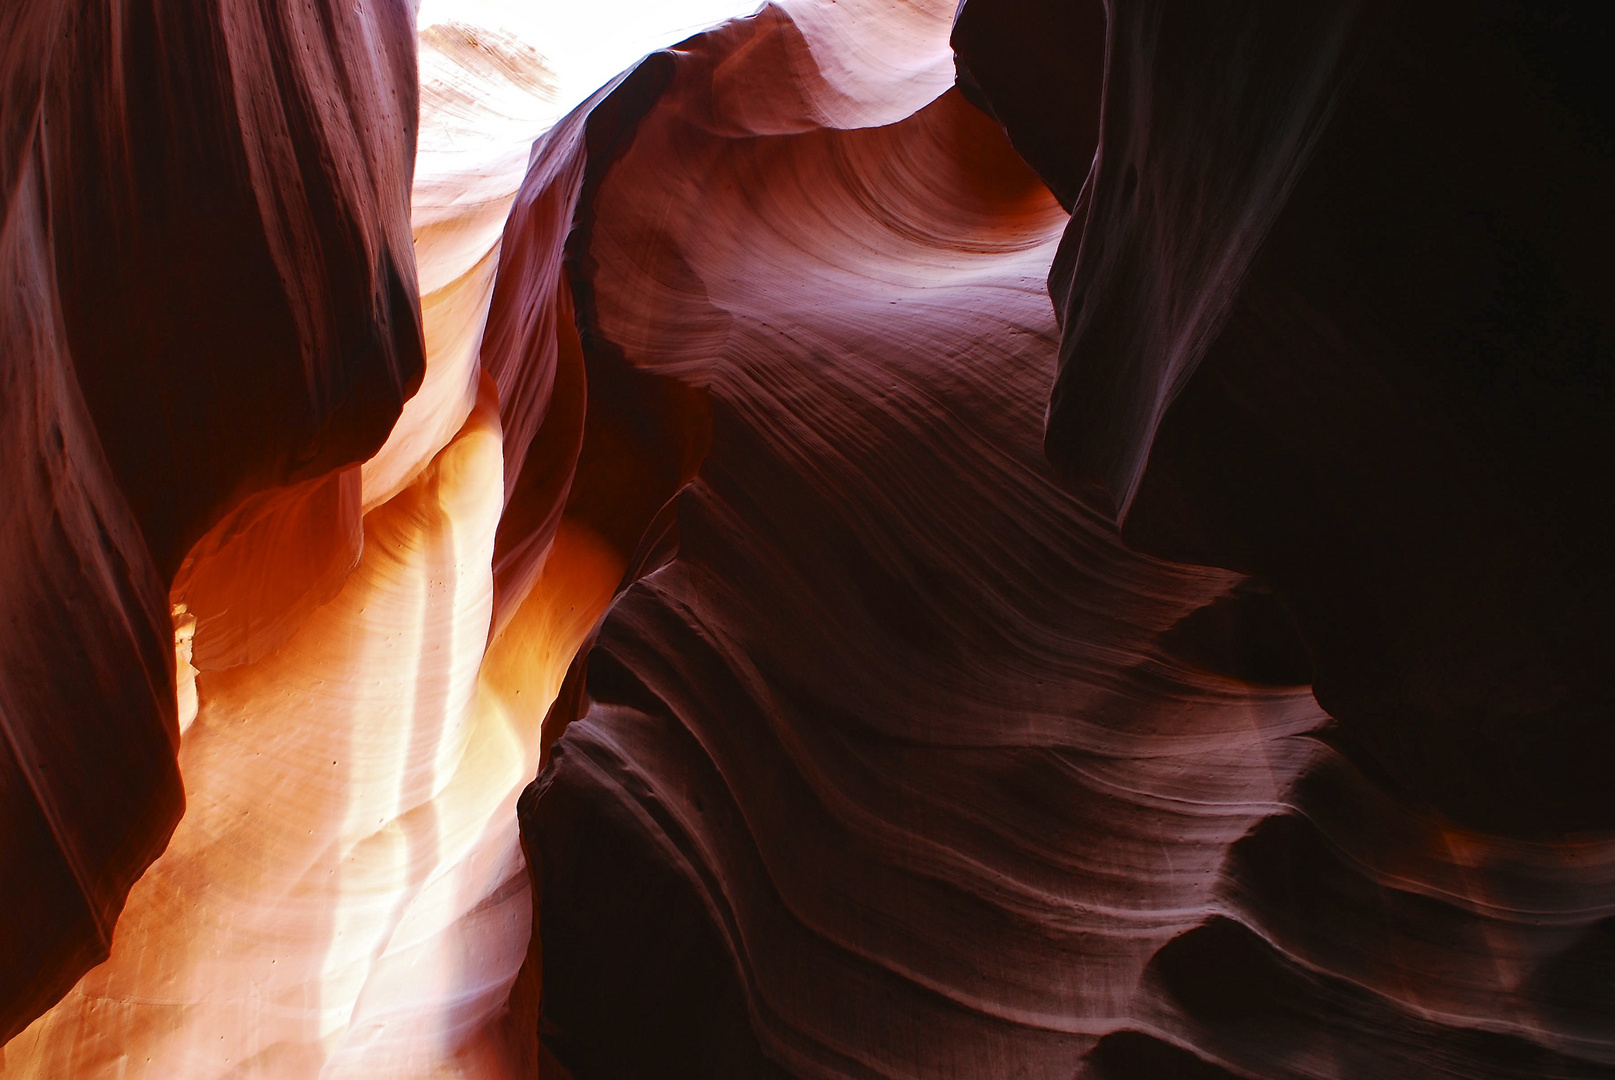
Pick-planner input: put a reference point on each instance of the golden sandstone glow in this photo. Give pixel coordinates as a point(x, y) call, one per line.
point(346, 896)
point(1049, 530)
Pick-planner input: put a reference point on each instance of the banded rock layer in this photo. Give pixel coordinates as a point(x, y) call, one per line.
point(1247, 721)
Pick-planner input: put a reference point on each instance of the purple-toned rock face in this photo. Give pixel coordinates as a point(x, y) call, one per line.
point(1033, 540)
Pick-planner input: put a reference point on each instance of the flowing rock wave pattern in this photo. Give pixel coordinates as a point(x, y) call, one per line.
point(1017, 539)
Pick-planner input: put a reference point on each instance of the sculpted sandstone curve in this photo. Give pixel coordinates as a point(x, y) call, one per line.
point(1015, 538)
point(208, 291)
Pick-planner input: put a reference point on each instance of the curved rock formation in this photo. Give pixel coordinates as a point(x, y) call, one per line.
point(905, 757)
point(1245, 721)
point(832, 755)
point(208, 291)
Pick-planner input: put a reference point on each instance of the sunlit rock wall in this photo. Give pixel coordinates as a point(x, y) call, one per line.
point(337, 899)
point(1023, 539)
point(208, 292)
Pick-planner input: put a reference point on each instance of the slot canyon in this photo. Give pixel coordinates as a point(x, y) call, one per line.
point(882, 540)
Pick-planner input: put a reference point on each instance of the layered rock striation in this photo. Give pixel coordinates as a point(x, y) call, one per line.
point(1023, 539)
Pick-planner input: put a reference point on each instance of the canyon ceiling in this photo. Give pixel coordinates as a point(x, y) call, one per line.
point(1030, 539)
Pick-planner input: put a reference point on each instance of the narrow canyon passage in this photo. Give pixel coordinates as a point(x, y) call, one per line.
point(883, 539)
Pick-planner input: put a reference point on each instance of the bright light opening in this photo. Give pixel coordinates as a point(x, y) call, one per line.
point(586, 42)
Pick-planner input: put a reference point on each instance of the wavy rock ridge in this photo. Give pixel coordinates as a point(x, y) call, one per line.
point(1244, 720)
